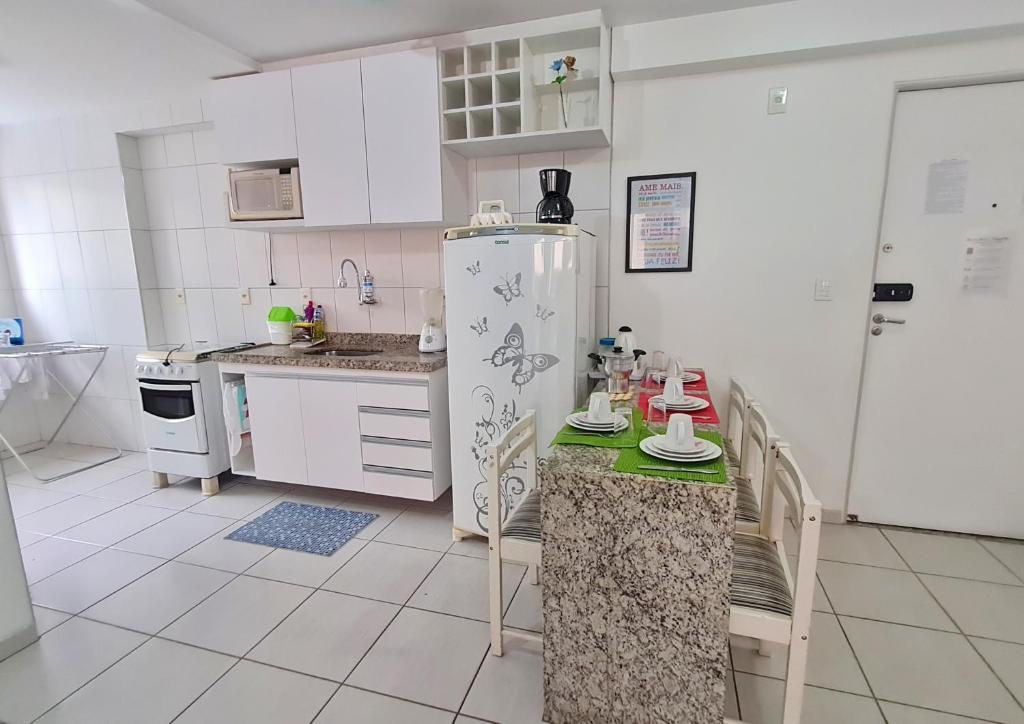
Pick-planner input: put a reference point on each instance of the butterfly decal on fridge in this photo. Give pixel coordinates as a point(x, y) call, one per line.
point(474, 268)
point(544, 313)
point(524, 366)
point(510, 288)
point(479, 325)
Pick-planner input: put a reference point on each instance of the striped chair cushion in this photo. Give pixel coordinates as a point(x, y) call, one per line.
point(747, 508)
point(524, 523)
point(758, 580)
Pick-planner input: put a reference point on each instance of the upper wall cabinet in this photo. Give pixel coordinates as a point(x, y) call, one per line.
point(332, 146)
point(403, 136)
point(254, 118)
point(366, 134)
point(498, 96)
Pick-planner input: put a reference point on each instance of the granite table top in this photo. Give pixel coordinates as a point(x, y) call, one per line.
point(393, 353)
point(636, 574)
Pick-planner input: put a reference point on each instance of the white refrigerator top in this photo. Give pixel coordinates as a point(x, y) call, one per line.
point(469, 232)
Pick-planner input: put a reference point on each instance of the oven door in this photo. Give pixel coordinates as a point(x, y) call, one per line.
point(173, 417)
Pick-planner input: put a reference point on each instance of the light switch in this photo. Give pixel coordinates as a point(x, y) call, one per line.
point(823, 290)
point(778, 100)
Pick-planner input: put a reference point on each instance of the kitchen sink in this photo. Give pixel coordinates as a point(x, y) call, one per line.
point(343, 352)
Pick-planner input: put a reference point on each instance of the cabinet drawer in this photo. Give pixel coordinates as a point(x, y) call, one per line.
point(400, 424)
point(403, 397)
point(382, 480)
point(397, 453)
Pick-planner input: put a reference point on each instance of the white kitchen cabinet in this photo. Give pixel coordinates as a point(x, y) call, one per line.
point(330, 423)
point(275, 416)
point(403, 155)
point(253, 117)
point(331, 144)
point(385, 433)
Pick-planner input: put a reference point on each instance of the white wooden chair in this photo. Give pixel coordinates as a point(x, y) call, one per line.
point(754, 474)
point(736, 413)
point(768, 603)
point(519, 538)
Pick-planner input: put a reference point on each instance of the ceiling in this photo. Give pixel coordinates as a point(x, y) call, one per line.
point(70, 56)
point(270, 31)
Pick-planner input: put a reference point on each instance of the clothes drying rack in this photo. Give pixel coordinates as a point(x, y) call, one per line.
point(24, 355)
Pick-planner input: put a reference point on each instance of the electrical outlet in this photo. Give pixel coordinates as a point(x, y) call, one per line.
point(179, 296)
point(778, 100)
point(822, 290)
point(245, 296)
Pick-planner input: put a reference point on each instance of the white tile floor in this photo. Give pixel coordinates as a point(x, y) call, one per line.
point(149, 615)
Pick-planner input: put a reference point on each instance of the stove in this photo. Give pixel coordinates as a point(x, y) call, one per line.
point(182, 411)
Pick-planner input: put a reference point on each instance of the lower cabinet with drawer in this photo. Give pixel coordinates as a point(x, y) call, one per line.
point(381, 433)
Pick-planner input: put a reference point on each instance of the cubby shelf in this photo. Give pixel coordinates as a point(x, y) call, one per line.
point(497, 96)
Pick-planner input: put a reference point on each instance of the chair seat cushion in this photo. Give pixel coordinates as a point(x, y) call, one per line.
point(747, 508)
point(524, 522)
point(758, 580)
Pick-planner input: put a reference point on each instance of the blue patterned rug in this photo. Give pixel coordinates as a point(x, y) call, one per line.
point(301, 527)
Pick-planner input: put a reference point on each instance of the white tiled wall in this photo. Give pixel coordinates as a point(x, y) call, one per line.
point(73, 274)
point(123, 241)
point(193, 251)
point(516, 181)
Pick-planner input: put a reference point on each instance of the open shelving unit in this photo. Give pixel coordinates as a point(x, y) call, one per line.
point(497, 96)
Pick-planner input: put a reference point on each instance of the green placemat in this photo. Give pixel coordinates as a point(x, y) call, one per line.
point(569, 435)
point(631, 459)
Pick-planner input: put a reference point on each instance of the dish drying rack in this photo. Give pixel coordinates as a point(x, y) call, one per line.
point(25, 354)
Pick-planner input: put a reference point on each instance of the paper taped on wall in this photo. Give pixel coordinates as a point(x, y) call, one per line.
point(986, 259)
point(947, 187)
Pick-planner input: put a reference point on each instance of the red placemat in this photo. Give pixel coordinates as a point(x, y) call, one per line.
point(707, 416)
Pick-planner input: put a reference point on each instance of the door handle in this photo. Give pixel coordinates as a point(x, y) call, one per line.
point(882, 319)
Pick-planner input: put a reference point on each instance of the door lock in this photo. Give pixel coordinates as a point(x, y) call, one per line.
point(882, 319)
point(876, 331)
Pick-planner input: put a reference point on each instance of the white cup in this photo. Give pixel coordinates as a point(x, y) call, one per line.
point(600, 408)
point(675, 367)
point(679, 436)
point(673, 393)
point(659, 360)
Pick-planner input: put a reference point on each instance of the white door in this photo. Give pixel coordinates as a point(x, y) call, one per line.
point(330, 423)
point(332, 145)
point(275, 415)
point(938, 436)
point(253, 118)
point(403, 136)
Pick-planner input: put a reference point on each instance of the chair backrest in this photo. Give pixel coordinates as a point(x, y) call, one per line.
point(790, 483)
point(736, 414)
point(520, 438)
point(758, 462)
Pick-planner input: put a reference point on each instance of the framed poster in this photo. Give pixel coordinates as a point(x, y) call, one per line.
point(659, 222)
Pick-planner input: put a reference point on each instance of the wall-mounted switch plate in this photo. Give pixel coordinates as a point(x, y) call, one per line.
point(778, 100)
point(823, 290)
point(179, 296)
point(245, 297)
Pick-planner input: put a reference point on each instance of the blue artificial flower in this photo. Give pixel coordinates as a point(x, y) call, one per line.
point(556, 65)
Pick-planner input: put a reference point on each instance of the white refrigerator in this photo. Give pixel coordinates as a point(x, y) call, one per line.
point(519, 304)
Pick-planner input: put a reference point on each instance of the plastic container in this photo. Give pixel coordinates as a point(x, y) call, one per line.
point(279, 323)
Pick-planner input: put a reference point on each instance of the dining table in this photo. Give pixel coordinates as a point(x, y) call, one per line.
point(636, 566)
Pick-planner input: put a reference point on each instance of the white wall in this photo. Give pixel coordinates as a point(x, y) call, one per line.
point(68, 246)
point(17, 624)
point(781, 200)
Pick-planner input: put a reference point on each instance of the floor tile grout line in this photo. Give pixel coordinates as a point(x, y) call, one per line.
point(959, 629)
point(324, 705)
point(94, 677)
point(735, 684)
point(204, 691)
point(937, 711)
point(1000, 560)
point(924, 573)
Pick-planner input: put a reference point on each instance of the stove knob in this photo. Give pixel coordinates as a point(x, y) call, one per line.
point(179, 371)
point(147, 369)
point(139, 368)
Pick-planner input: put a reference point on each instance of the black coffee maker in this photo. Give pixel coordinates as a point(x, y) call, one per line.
point(555, 207)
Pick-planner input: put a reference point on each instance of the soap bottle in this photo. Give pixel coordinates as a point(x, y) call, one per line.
point(366, 293)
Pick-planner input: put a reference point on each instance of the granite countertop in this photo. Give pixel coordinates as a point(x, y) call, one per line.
point(398, 353)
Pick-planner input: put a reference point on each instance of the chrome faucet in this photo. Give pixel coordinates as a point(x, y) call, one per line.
point(342, 281)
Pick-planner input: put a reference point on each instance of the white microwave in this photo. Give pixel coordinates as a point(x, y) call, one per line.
point(264, 193)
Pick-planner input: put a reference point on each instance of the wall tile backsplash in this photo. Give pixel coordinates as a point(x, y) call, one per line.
point(123, 240)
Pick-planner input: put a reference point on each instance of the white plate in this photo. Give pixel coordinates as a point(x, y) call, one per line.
point(700, 446)
point(583, 418)
point(618, 425)
point(686, 377)
point(689, 404)
point(650, 447)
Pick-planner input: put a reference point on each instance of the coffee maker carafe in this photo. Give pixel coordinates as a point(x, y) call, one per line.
point(555, 207)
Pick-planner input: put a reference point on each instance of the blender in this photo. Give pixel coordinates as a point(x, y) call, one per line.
point(432, 336)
